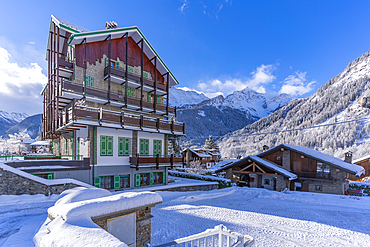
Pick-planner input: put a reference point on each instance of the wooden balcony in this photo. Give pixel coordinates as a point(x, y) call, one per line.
point(314, 175)
point(134, 77)
point(101, 116)
point(69, 86)
point(156, 160)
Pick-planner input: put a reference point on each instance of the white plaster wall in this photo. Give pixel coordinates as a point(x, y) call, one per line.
point(84, 144)
point(115, 159)
point(151, 137)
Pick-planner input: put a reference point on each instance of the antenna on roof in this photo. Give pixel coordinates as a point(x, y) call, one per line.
point(110, 24)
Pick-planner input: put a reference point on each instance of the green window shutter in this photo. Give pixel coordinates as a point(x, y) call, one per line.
point(110, 145)
point(130, 69)
point(117, 65)
point(116, 182)
point(159, 147)
point(106, 62)
point(50, 176)
point(87, 80)
point(92, 81)
point(137, 180)
point(151, 178)
point(142, 147)
point(97, 182)
point(66, 147)
point(164, 177)
point(103, 145)
point(146, 146)
point(146, 74)
point(158, 99)
point(126, 147)
point(120, 146)
point(154, 147)
point(149, 97)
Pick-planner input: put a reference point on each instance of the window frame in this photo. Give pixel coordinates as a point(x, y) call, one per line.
point(105, 181)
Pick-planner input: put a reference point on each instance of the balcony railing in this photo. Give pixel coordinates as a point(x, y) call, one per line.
point(132, 76)
point(101, 116)
point(157, 159)
point(319, 175)
point(219, 236)
point(102, 93)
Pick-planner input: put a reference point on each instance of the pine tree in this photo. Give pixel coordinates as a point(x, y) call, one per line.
point(210, 144)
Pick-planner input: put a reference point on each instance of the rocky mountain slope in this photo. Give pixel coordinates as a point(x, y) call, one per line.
point(219, 115)
point(344, 97)
point(7, 120)
point(185, 98)
point(29, 125)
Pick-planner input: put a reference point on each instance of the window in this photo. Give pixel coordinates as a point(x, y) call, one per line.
point(106, 145)
point(106, 182)
point(157, 177)
point(90, 81)
point(267, 182)
point(149, 97)
point(146, 75)
point(44, 175)
point(123, 146)
point(322, 170)
point(66, 146)
point(124, 181)
point(318, 187)
point(113, 64)
point(144, 179)
point(158, 99)
point(319, 169)
point(144, 147)
point(157, 147)
point(130, 92)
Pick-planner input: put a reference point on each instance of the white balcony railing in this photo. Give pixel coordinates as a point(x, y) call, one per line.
point(217, 237)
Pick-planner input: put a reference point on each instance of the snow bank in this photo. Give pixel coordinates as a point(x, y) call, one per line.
point(80, 194)
point(72, 224)
point(47, 182)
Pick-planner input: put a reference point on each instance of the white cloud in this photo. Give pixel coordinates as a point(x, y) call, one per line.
point(262, 76)
point(185, 4)
point(20, 86)
point(31, 42)
point(297, 84)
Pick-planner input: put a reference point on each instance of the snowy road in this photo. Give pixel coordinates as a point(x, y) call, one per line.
point(271, 218)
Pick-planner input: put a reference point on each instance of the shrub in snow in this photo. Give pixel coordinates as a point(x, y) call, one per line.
point(366, 180)
point(222, 182)
point(360, 186)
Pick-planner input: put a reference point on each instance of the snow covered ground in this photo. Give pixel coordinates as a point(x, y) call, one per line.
point(271, 218)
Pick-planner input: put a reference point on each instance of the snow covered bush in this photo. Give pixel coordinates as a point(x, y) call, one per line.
point(360, 186)
point(222, 182)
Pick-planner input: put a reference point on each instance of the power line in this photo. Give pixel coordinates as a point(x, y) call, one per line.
point(289, 130)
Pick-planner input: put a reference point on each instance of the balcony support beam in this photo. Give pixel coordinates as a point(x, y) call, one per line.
point(126, 72)
point(109, 37)
point(85, 67)
point(142, 74)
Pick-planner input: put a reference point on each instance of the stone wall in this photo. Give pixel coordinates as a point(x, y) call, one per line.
point(14, 184)
point(286, 160)
point(328, 187)
point(205, 187)
point(143, 224)
point(281, 183)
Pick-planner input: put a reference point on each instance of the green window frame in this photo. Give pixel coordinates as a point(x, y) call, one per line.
point(137, 180)
point(149, 97)
point(123, 146)
point(146, 75)
point(49, 175)
point(106, 145)
point(157, 147)
point(144, 147)
point(130, 92)
point(107, 182)
point(124, 181)
point(90, 81)
point(130, 69)
point(158, 99)
point(97, 182)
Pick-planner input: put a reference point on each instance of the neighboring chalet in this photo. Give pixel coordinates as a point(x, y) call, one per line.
point(107, 99)
point(365, 163)
point(294, 167)
point(208, 157)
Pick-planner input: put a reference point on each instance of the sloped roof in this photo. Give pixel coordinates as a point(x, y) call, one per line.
point(273, 167)
point(361, 159)
point(325, 158)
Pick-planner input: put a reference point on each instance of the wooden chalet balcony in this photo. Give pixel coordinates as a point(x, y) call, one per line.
point(314, 175)
point(69, 86)
point(131, 76)
point(101, 116)
point(156, 160)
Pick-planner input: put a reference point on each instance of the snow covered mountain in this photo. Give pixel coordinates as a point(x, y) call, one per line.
point(181, 97)
point(255, 104)
point(344, 97)
point(29, 125)
point(8, 120)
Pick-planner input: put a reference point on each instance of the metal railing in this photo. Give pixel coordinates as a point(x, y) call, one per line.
point(219, 236)
point(40, 157)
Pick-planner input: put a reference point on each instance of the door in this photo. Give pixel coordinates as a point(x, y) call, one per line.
point(305, 187)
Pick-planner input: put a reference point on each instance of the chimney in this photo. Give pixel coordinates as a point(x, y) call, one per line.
point(110, 25)
point(265, 148)
point(348, 157)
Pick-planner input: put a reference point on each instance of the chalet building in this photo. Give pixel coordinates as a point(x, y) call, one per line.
point(207, 157)
point(364, 162)
point(294, 167)
point(107, 99)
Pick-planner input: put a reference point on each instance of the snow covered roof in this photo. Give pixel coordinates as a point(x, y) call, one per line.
point(47, 182)
point(222, 164)
point(26, 141)
point(325, 158)
point(273, 166)
point(203, 155)
point(361, 159)
point(41, 143)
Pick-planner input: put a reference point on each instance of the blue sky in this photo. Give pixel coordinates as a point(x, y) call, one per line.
point(214, 47)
